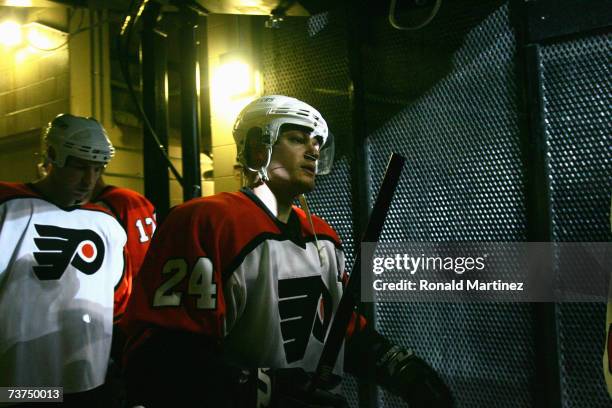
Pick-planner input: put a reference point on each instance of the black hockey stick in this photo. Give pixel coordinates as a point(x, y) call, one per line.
point(350, 297)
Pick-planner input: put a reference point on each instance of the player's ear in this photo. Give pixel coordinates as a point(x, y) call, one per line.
point(255, 152)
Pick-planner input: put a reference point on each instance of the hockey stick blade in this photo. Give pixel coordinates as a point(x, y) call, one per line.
point(350, 297)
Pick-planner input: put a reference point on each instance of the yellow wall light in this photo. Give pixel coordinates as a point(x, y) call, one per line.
point(10, 33)
point(237, 78)
point(234, 77)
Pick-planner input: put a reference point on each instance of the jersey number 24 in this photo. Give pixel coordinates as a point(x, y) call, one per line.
point(201, 284)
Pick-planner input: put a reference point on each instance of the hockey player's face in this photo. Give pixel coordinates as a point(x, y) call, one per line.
point(293, 164)
point(77, 179)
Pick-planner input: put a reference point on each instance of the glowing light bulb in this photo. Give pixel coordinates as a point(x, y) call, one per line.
point(10, 33)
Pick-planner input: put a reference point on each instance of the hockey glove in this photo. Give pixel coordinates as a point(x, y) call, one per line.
point(288, 388)
point(406, 375)
point(397, 369)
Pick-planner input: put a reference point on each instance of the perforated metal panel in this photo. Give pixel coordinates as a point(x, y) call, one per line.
point(307, 58)
point(577, 98)
point(447, 98)
point(464, 181)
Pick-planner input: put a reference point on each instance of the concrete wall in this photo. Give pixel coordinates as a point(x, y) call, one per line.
point(34, 88)
point(19, 155)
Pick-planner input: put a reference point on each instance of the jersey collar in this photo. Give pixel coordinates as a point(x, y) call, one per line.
point(292, 230)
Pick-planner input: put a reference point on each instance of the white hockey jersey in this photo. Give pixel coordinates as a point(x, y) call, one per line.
point(224, 266)
point(58, 270)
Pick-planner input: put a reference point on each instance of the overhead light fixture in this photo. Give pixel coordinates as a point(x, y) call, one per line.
point(10, 33)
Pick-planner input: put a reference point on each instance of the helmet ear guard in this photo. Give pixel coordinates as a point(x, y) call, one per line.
point(256, 153)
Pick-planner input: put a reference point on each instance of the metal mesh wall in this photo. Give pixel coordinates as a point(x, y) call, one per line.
point(446, 97)
point(307, 59)
point(464, 181)
point(577, 98)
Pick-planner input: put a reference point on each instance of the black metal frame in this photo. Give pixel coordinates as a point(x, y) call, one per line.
point(190, 140)
point(205, 119)
point(360, 185)
point(155, 104)
point(539, 223)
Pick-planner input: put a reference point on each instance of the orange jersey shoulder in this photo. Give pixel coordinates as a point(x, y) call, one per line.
point(12, 191)
point(125, 203)
point(123, 197)
point(322, 228)
point(218, 226)
point(9, 191)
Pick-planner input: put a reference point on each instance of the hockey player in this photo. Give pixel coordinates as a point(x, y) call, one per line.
point(237, 291)
point(59, 264)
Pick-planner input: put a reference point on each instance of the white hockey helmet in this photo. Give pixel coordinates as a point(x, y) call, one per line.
point(268, 114)
point(80, 137)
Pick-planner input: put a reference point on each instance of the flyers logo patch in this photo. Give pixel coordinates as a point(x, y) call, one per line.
point(305, 307)
point(60, 247)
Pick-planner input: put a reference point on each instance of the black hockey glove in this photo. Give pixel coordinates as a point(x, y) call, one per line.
point(397, 369)
point(406, 375)
point(288, 388)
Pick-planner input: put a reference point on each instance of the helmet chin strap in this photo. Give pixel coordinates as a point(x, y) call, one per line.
point(263, 171)
point(304, 205)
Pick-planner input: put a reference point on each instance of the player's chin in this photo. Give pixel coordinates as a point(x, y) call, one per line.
point(307, 185)
point(303, 181)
